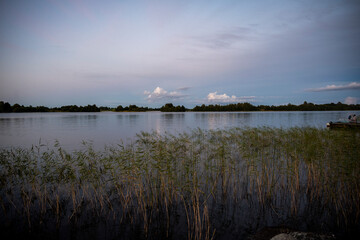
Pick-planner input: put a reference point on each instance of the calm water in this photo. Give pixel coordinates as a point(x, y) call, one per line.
point(109, 128)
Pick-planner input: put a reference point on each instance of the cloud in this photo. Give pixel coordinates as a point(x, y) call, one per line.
point(160, 94)
point(350, 86)
point(224, 39)
point(224, 98)
point(351, 100)
point(183, 88)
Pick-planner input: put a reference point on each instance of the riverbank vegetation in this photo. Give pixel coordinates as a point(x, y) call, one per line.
point(219, 184)
point(169, 107)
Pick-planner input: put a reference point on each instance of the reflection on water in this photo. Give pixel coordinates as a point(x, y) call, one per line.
point(223, 120)
point(132, 119)
point(107, 128)
point(77, 121)
point(170, 119)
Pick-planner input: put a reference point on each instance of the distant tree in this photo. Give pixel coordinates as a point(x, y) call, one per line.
point(307, 107)
point(90, 108)
point(103, 108)
point(119, 108)
point(17, 108)
point(169, 107)
point(199, 108)
point(5, 107)
point(133, 108)
point(2, 106)
point(42, 109)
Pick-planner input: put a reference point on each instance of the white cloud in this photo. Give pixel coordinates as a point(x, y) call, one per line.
point(161, 94)
point(353, 85)
point(224, 98)
point(351, 100)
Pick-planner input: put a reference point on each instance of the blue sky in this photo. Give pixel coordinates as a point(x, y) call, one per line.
point(148, 53)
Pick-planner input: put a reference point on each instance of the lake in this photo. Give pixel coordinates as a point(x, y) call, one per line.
point(226, 184)
point(110, 128)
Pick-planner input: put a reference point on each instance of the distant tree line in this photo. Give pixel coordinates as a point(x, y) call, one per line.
point(132, 108)
point(289, 107)
point(227, 108)
point(74, 108)
point(6, 107)
point(169, 107)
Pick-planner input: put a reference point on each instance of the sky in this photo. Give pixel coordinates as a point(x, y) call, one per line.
point(188, 52)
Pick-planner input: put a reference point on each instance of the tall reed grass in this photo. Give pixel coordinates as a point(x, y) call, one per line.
point(198, 185)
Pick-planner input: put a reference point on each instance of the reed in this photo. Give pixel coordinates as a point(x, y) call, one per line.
point(197, 185)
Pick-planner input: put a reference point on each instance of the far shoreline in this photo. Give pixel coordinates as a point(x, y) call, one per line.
point(6, 107)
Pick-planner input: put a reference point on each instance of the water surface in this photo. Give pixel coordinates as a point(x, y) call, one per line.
point(109, 128)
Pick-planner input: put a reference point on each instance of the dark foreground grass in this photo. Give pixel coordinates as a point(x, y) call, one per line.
point(224, 184)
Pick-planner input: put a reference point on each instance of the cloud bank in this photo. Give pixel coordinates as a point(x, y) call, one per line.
point(350, 86)
point(160, 94)
point(224, 98)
